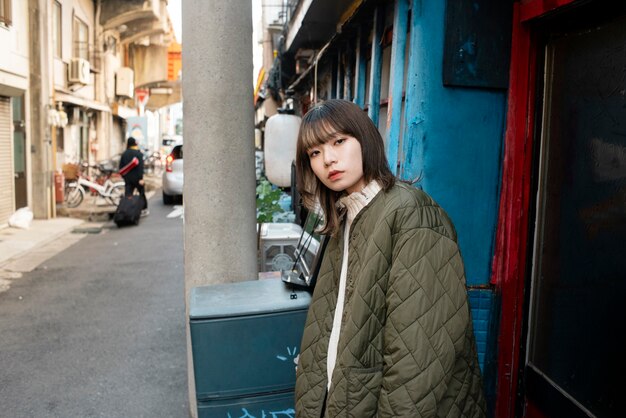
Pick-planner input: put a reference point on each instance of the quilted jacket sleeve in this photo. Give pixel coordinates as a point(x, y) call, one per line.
point(427, 320)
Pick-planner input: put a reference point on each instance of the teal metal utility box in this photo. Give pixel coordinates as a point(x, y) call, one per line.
point(245, 338)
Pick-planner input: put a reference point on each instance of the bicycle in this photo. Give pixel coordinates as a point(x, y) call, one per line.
point(111, 191)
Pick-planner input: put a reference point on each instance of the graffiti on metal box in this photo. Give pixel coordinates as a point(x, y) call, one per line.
point(287, 413)
point(291, 351)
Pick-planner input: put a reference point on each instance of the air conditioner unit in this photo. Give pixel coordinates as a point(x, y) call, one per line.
point(279, 242)
point(78, 71)
point(124, 82)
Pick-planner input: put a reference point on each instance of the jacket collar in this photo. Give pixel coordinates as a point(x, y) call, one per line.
point(354, 202)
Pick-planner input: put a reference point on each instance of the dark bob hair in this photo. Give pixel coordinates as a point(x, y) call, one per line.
point(321, 124)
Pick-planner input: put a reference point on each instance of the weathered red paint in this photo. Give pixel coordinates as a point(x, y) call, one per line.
point(512, 246)
point(531, 9)
point(511, 243)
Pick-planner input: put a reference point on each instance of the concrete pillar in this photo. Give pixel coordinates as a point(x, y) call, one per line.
point(219, 191)
point(39, 97)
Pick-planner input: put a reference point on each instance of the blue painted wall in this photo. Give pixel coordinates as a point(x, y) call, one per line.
point(452, 141)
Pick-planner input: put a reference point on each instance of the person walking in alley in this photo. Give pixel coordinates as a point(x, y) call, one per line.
point(131, 169)
point(389, 330)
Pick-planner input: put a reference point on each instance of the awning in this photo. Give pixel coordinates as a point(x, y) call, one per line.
point(315, 22)
point(79, 101)
point(124, 112)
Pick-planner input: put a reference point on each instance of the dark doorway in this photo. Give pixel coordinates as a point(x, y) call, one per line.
point(19, 152)
point(574, 361)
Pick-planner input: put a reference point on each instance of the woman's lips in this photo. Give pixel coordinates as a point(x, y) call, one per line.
point(334, 175)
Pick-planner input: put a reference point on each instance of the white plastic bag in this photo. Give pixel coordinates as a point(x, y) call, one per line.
point(21, 218)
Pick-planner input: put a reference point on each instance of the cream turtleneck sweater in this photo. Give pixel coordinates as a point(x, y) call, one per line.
point(353, 203)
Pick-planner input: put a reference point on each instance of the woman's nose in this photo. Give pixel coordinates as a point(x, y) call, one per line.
point(329, 158)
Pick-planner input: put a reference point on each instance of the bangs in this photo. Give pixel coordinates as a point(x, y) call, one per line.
point(316, 131)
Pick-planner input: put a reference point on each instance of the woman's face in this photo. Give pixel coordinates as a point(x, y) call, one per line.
point(338, 163)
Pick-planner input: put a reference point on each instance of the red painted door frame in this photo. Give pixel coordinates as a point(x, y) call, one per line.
point(509, 263)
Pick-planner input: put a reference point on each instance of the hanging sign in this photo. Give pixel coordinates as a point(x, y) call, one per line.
point(142, 96)
point(174, 61)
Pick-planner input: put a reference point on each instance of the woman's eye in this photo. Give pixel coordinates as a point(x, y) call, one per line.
point(340, 141)
point(313, 153)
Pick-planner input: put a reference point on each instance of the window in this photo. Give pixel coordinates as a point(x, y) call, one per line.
point(5, 12)
point(57, 24)
point(81, 39)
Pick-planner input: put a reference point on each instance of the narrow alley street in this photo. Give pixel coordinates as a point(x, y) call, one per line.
point(99, 329)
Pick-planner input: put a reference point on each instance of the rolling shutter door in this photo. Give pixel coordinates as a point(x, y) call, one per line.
point(6, 161)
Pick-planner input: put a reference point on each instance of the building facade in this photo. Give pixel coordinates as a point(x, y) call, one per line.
point(68, 75)
point(445, 136)
point(14, 76)
point(509, 114)
point(267, 33)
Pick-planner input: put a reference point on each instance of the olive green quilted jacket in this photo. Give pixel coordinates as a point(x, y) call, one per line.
point(406, 347)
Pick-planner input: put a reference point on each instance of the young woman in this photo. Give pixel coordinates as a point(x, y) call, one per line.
point(388, 333)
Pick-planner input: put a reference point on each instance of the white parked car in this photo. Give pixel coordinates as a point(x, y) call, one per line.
point(173, 175)
point(169, 142)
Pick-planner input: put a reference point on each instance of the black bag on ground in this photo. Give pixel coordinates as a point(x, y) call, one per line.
point(129, 210)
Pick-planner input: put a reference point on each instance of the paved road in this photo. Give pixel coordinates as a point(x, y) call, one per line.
point(99, 329)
